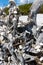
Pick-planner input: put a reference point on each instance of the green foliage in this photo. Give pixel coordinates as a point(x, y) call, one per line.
point(41, 9)
point(6, 10)
point(24, 9)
